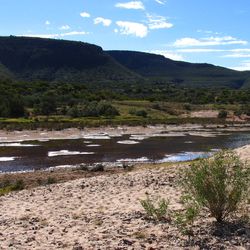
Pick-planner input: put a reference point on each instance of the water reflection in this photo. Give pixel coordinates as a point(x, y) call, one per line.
point(104, 148)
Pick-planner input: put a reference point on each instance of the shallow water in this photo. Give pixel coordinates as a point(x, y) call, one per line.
point(45, 154)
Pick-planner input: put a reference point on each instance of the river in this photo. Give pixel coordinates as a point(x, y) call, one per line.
point(34, 155)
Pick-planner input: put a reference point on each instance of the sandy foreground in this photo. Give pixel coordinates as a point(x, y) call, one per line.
point(104, 212)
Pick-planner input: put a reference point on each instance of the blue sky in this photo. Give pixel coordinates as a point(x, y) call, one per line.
point(212, 31)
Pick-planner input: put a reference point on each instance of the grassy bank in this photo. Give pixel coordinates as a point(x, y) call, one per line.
point(131, 113)
point(54, 123)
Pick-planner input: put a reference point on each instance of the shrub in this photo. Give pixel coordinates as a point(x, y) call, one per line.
point(141, 112)
point(106, 109)
point(184, 219)
point(50, 180)
point(222, 114)
point(156, 106)
point(7, 186)
point(156, 209)
point(103, 108)
point(18, 185)
point(218, 184)
point(187, 107)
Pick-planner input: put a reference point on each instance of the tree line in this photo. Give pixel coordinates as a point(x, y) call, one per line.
point(19, 99)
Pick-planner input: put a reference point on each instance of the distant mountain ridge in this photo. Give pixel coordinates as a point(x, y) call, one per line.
point(32, 59)
point(183, 73)
point(37, 59)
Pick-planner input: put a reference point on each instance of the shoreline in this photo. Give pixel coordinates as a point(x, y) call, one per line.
point(72, 172)
point(116, 131)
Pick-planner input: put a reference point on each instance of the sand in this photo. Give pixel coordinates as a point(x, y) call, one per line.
point(104, 212)
point(244, 152)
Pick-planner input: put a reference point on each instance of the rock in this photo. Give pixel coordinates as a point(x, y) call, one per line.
point(77, 247)
point(128, 242)
point(30, 239)
point(98, 167)
point(241, 231)
point(83, 167)
point(128, 166)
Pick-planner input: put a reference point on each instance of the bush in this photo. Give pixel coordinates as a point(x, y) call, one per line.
point(158, 211)
point(11, 105)
point(7, 186)
point(50, 180)
point(222, 114)
point(184, 219)
point(18, 185)
point(218, 184)
point(141, 112)
point(103, 108)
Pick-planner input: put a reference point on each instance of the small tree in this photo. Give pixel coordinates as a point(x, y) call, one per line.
point(218, 184)
point(222, 114)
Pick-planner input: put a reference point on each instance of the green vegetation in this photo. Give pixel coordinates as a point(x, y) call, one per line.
point(222, 114)
point(156, 209)
point(50, 180)
point(7, 186)
point(218, 184)
point(58, 84)
point(129, 102)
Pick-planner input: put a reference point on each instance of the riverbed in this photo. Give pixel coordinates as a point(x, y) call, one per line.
point(155, 145)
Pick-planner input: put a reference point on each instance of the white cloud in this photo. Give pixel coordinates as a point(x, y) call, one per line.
point(158, 22)
point(65, 27)
point(245, 65)
point(103, 21)
point(47, 22)
point(206, 50)
point(208, 32)
point(208, 41)
point(160, 2)
point(237, 55)
point(131, 28)
point(42, 35)
point(59, 35)
point(240, 50)
point(74, 33)
point(168, 54)
point(195, 50)
point(136, 5)
point(85, 14)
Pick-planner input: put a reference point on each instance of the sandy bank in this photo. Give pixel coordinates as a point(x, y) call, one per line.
point(103, 212)
point(244, 152)
point(73, 133)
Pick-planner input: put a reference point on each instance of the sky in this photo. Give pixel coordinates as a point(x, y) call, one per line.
point(199, 31)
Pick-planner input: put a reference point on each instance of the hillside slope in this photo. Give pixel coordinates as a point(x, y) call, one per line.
point(59, 60)
point(159, 68)
point(37, 59)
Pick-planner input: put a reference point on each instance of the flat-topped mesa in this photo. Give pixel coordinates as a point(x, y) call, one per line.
point(32, 59)
point(61, 61)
